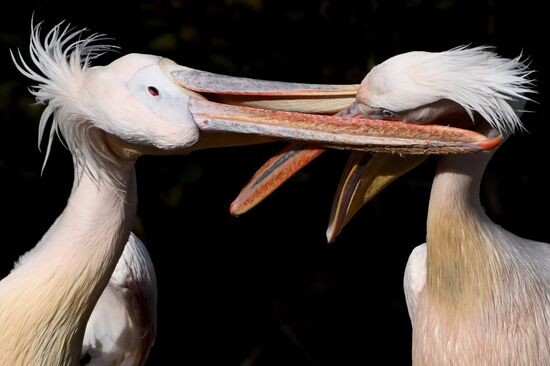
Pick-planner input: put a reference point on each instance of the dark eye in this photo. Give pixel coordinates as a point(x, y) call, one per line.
point(153, 91)
point(387, 113)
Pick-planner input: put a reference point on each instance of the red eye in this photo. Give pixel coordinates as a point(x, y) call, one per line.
point(153, 91)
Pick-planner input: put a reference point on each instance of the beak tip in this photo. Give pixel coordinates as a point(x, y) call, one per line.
point(331, 234)
point(234, 209)
point(491, 143)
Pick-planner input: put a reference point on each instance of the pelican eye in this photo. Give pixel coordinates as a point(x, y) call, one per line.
point(387, 113)
point(153, 91)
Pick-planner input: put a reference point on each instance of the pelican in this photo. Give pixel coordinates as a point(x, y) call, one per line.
point(110, 115)
point(476, 293)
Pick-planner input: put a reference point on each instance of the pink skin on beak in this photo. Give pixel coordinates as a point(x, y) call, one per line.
point(273, 174)
point(294, 157)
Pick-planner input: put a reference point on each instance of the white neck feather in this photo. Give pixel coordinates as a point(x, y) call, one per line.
point(460, 235)
point(486, 299)
point(46, 300)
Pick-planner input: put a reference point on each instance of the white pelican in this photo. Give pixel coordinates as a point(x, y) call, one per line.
point(476, 293)
point(110, 115)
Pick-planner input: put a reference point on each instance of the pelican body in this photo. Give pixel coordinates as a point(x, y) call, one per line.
point(476, 293)
point(122, 327)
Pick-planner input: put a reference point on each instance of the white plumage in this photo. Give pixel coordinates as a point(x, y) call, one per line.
point(62, 60)
point(476, 78)
point(122, 327)
point(415, 277)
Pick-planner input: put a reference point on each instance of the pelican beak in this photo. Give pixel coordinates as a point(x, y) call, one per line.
point(259, 111)
point(238, 111)
point(363, 178)
point(367, 175)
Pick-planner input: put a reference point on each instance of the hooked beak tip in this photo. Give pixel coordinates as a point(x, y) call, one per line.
point(233, 210)
point(331, 237)
point(490, 144)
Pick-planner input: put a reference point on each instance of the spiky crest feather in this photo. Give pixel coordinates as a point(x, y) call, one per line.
point(61, 60)
point(476, 78)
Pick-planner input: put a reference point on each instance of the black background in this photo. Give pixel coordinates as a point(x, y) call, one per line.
point(266, 288)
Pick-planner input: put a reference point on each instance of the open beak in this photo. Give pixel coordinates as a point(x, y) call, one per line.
point(363, 178)
point(238, 111)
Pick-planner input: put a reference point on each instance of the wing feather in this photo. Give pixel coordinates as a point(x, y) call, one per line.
point(415, 277)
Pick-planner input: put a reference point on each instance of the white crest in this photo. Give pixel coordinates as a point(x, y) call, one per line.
point(476, 78)
point(61, 61)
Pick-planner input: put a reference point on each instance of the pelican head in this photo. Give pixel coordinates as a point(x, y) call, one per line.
point(461, 85)
point(424, 86)
point(129, 105)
